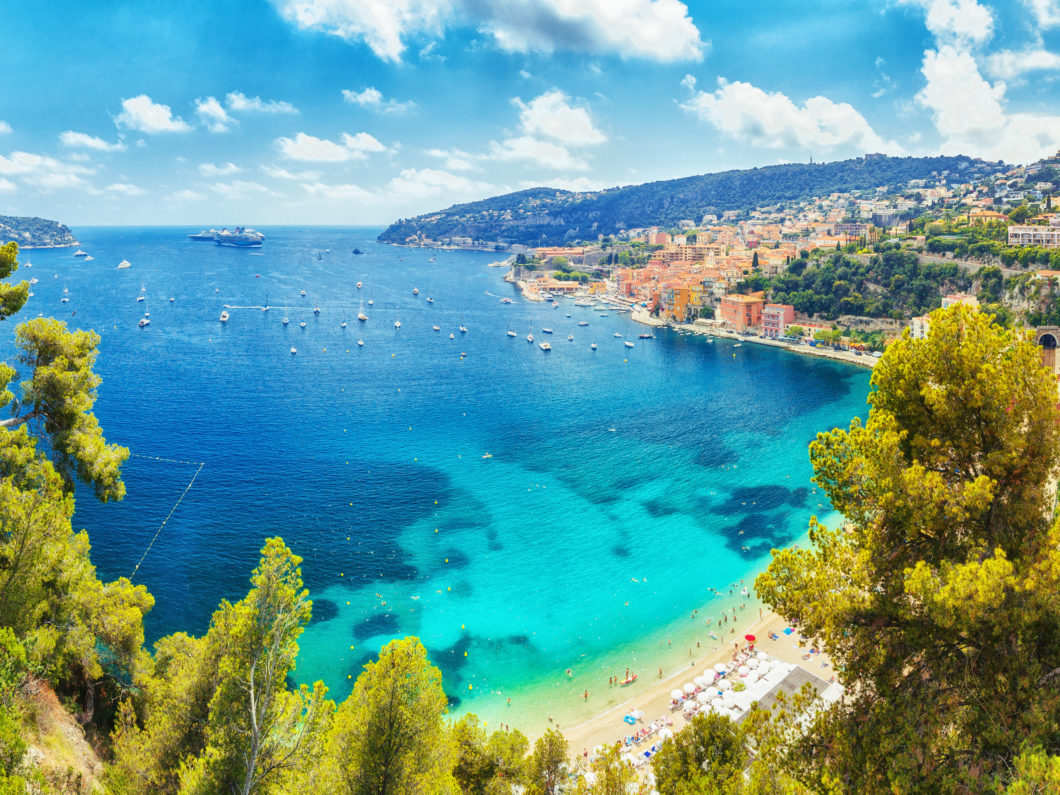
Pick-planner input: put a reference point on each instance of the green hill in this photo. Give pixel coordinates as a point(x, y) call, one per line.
point(545, 216)
point(35, 232)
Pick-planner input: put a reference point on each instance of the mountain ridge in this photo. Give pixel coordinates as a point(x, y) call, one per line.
point(549, 216)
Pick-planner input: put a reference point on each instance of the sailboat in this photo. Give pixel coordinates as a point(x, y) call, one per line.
point(343, 323)
point(593, 346)
point(361, 316)
point(266, 307)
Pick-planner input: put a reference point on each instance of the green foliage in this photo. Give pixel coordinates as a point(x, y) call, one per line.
point(1036, 772)
point(611, 775)
point(34, 231)
point(388, 736)
point(794, 331)
point(548, 764)
point(487, 766)
point(707, 755)
point(937, 601)
point(544, 216)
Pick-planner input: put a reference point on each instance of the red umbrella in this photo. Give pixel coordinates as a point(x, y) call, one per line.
point(749, 638)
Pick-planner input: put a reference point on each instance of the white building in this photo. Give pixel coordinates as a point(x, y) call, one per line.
point(1033, 235)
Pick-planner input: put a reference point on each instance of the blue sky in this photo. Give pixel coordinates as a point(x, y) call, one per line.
point(363, 111)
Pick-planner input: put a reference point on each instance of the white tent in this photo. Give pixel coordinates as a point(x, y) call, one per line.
point(704, 697)
point(725, 684)
point(689, 688)
point(677, 694)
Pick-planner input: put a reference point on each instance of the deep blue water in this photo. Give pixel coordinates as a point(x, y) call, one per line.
point(623, 484)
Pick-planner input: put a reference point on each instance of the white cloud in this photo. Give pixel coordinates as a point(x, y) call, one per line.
point(577, 185)
point(956, 21)
point(238, 102)
point(308, 147)
point(1008, 65)
point(283, 173)
point(552, 115)
point(213, 116)
point(214, 170)
point(1046, 12)
point(525, 74)
point(140, 113)
point(529, 149)
point(7, 186)
point(659, 30)
point(43, 171)
point(241, 189)
point(79, 140)
point(372, 99)
point(429, 54)
point(455, 159)
point(4, 127)
point(425, 183)
point(345, 192)
point(969, 112)
point(186, 196)
point(747, 113)
point(124, 189)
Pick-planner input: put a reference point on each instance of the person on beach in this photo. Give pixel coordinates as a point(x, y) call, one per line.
point(586, 695)
point(660, 672)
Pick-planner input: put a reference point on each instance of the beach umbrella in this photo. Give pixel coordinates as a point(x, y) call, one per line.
point(752, 677)
point(762, 655)
point(743, 670)
point(753, 662)
point(700, 681)
point(720, 668)
point(636, 713)
point(666, 734)
point(677, 694)
point(704, 697)
point(749, 638)
point(689, 688)
point(710, 675)
point(764, 668)
point(724, 684)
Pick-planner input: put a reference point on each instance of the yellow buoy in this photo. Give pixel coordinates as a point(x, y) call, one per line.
point(447, 560)
point(470, 686)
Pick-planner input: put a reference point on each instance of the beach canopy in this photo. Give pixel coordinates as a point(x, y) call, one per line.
point(699, 680)
point(689, 687)
point(724, 684)
point(749, 638)
point(743, 670)
point(704, 697)
point(676, 694)
point(636, 713)
point(762, 655)
point(666, 733)
point(753, 662)
point(710, 675)
point(720, 668)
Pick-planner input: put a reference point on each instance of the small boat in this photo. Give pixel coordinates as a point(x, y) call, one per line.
point(294, 349)
point(530, 337)
point(124, 264)
point(316, 310)
point(360, 343)
point(567, 315)
point(415, 290)
point(301, 324)
point(358, 283)
point(593, 346)
point(452, 336)
point(488, 455)
point(144, 322)
point(64, 300)
point(617, 335)
point(710, 339)
point(172, 299)
point(463, 329)
point(319, 256)
point(342, 324)
point(33, 280)
point(737, 345)
point(397, 324)
point(286, 321)
point(303, 292)
point(628, 344)
point(139, 299)
point(89, 258)
point(628, 680)
point(506, 300)
point(361, 316)
point(570, 338)
point(371, 302)
point(357, 251)
point(547, 330)
point(648, 336)
point(224, 315)
point(546, 347)
point(436, 328)
point(80, 253)
point(583, 322)
point(510, 333)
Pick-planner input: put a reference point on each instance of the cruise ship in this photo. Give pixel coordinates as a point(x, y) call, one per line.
point(204, 235)
point(240, 237)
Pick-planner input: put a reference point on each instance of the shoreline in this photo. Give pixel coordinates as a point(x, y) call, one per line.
point(607, 726)
point(865, 360)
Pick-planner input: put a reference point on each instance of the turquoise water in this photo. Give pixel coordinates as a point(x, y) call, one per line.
point(623, 486)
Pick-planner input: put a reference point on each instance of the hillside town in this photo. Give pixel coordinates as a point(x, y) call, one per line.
point(721, 272)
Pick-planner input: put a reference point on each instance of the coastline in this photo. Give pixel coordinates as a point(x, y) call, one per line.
point(607, 726)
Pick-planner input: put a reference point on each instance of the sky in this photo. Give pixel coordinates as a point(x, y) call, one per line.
point(358, 112)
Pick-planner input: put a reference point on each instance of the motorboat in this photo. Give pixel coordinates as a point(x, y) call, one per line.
point(360, 343)
point(80, 253)
point(359, 285)
point(511, 333)
point(430, 300)
point(397, 324)
point(617, 335)
point(144, 322)
point(570, 338)
point(593, 346)
point(342, 324)
point(436, 328)
point(583, 322)
point(648, 336)
point(452, 336)
point(303, 292)
point(294, 349)
point(316, 310)
point(224, 315)
point(547, 330)
point(546, 347)
point(463, 329)
point(301, 324)
point(415, 290)
point(628, 344)
point(286, 321)
point(361, 316)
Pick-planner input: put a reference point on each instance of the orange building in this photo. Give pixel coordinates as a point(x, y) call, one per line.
point(742, 312)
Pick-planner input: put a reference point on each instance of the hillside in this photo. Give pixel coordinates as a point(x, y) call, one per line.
point(35, 232)
point(545, 216)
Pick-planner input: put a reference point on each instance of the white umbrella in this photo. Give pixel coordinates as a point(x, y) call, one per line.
point(689, 688)
point(752, 677)
point(725, 684)
point(764, 668)
point(636, 713)
point(743, 670)
point(728, 700)
point(676, 694)
point(704, 697)
point(720, 668)
point(762, 655)
point(753, 662)
point(702, 681)
point(666, 733)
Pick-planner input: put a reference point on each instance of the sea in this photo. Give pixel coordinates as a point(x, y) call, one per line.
point(540, 520)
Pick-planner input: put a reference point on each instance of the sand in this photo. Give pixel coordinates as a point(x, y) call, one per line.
point(608, 727)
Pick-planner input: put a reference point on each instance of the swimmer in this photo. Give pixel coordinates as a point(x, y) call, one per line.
point(570, 672)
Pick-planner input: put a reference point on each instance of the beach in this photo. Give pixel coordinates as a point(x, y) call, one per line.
point(608, 727)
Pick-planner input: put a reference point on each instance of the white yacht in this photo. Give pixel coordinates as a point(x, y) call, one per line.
point(224, 315)
point(546, 347)
point(360, 343)
point(294, 349)
point(593, 346)
point(124, 264)
point(436, 328)
point(628, 344)
point(285, 321)
point(301, 324)
point(80, 253)
point(361, 316)
point(144, 322)
point(397, 324)
point(463, 329)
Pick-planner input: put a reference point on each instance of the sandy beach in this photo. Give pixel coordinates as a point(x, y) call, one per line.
point(608, 727)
